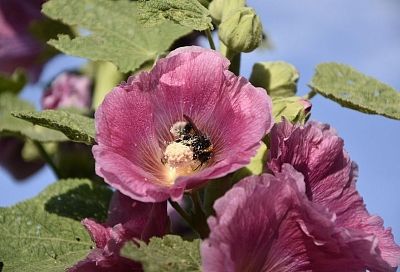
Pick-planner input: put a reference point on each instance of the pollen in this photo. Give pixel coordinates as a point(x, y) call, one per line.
point(178, 129)
point(178, 159)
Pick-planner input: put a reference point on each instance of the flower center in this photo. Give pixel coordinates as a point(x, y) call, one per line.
point(189, 150)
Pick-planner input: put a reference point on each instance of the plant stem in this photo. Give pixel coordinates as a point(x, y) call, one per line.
point(234, 57)
point(47, 158)
point(181, 211)
point(200, 218)
point(310, 95)
point(196, 221)
point(210, 39)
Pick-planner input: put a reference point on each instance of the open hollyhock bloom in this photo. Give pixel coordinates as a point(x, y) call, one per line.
point(267, 223)
point(174, 128)
point(127, 220)
point(330, 181)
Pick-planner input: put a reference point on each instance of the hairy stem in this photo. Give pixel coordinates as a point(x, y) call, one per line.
point(46, 157)
point(210, 39)
point(199, 216)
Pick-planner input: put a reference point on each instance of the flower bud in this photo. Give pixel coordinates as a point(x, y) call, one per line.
point(294, 109)
point(220, 9)
point(241, 31)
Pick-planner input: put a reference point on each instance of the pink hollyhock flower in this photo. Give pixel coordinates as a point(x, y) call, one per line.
point(317, 152)
point(127, 220)
point(266, 223)
point(174, 128)
point(18, 48)
point(68, 90)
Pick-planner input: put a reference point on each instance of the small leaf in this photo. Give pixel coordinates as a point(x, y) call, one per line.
point(188, 13)
point(277, 77)
point(13, 83)
point(10, 125)
point(112, 32)
point(76, 127)
point(169, 253)
point(39, 234)
point(353, 90)
point(294, 109)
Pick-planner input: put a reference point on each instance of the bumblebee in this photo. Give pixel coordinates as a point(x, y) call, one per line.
point(199, 143)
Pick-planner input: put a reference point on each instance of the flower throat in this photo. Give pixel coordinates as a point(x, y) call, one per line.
point(189, 150)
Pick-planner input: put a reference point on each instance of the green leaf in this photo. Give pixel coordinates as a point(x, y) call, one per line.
point(43, 234)
point(113, 32)
point(10, 125)
point(294, 109)
point(76, 127)
point(188, 13)
point(277, 77)
point(351, 89)
point(13, 83)
point(169, 253)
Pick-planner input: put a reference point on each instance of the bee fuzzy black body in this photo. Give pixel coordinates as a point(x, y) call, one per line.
point(199, 143)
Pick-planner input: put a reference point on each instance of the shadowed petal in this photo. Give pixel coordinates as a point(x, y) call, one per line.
point(317, 152)
point(127, 220)
point(266, 223)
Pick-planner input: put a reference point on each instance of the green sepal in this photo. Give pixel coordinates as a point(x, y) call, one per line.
point(222, 8)
point(294, 109)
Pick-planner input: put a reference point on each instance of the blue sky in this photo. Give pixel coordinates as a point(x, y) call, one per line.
point(362, 33)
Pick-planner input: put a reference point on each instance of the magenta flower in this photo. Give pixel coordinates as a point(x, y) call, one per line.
point(174, 128)
point(330, 177)
point(266, 223)
point(68, 90)
point(127, 220)
point(18, 48)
